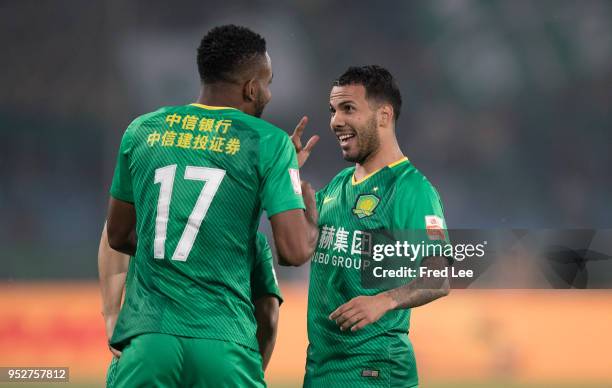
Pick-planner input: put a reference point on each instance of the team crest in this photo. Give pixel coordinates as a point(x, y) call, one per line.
point(365, 205)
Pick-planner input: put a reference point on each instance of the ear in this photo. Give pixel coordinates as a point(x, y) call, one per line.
point(248, 90)
point(385, 115)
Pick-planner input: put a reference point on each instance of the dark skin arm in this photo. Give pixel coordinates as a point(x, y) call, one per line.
point(296, 231)
point(266, 315)
point(121, 226)
point(304, 230)
point(364, 310)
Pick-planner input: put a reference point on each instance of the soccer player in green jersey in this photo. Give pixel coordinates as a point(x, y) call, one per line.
point(265, 294)
point(359, 336)
point(189, 187)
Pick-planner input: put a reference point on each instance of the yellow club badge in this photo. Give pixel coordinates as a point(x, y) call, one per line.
point(365, 205)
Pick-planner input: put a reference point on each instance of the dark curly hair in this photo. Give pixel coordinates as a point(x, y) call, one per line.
point(225, 50)
point(378, 83)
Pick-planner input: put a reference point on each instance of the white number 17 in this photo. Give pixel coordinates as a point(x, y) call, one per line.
point(165, 176)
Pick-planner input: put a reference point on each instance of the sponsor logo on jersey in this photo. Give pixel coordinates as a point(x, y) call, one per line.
point(365, 205)
point(294, 173)
point(435, 227)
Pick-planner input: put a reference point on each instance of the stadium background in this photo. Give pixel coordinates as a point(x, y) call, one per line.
point(506, 110)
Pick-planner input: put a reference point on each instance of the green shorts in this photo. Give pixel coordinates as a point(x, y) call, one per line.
point(111, 373)
point(162, 360)
point(393, 367)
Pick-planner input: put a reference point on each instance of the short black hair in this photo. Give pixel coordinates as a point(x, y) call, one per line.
point(378, 82)
point(225, 50)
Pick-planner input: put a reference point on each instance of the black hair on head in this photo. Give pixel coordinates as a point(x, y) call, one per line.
point(378, 82)
point(225, 50)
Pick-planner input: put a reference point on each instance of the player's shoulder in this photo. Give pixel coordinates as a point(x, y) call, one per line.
point(410, 180)
point(344, 174)
point(160, 112)
point(343, 177)
point(148, 117)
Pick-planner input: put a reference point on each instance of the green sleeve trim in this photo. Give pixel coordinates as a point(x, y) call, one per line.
point(286, 206)
point(121, 196)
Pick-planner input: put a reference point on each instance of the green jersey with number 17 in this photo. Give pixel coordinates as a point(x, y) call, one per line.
point(199, 178)
point(396, 197)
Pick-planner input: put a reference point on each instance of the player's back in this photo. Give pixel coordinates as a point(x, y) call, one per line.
point(199, 177)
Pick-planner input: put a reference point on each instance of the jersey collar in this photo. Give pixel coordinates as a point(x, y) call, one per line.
point(210, 107)
point(390, 165)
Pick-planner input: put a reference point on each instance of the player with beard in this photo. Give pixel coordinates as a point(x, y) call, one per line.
point(188, 191)
point(359, 336)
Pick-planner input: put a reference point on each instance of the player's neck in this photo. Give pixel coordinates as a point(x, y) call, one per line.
point(388, 152)
point(219, 95)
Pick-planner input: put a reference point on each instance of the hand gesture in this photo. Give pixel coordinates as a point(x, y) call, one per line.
point(296, 138)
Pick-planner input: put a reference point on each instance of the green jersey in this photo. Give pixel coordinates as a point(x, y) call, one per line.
point(397, 197)
point(199, 178)
point(263, 276)
point(263, 283)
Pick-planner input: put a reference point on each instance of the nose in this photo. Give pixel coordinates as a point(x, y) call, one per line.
point(336, 121)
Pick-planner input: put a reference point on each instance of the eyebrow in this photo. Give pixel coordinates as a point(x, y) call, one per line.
point(343, 103)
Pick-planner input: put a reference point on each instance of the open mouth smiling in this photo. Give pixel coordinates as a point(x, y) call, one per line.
point(344, 137)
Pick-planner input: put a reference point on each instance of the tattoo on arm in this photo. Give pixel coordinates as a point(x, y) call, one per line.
point(422, 290)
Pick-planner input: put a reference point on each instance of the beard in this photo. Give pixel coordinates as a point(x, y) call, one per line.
point(368, 142)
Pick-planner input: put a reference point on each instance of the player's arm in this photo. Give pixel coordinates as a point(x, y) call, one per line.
point(285, 198)
point(296, 231)
point(364, 310)
point(426, 216)
point(121, 218)
point(306, 227)
point(112, 270)
point(121, 226)
point(266, 314)
point(423, 289)
point(410, 213)
point(266, 298)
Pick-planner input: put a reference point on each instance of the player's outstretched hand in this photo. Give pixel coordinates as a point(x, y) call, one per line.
point(362, 311)
point(296, 138)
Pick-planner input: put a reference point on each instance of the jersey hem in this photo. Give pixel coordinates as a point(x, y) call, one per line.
point(121, 343)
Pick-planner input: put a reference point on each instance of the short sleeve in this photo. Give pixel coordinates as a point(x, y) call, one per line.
point(418, 212)
point(281, 190)
point(418, 207)
point(121, 187)
point(263, 277)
